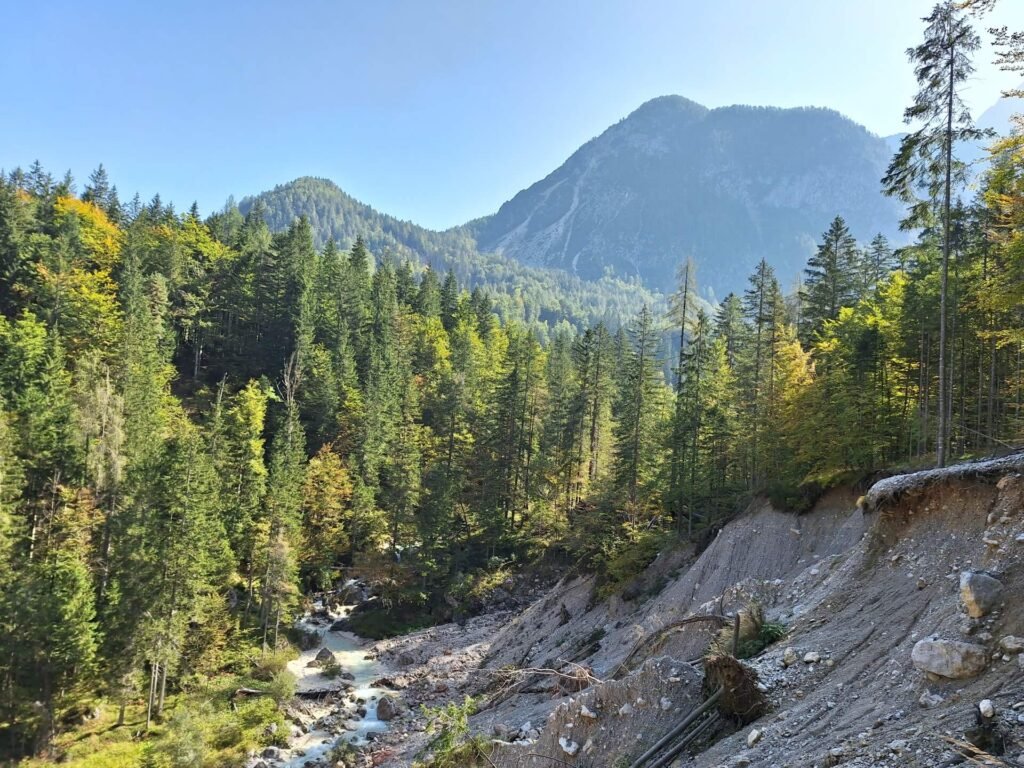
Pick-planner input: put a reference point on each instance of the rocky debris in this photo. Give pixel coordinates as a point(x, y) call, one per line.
point(405, 659)
point(949, 658)
point(979, 592)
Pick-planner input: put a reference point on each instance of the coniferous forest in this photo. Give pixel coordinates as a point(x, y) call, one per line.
point(203, 421)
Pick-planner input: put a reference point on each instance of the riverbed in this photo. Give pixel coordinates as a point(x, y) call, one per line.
point(351, 652)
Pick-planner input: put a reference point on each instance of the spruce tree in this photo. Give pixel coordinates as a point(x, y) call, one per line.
point(925, 157)
point(831, 279)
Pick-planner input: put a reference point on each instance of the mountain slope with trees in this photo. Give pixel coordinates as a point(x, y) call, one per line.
point(519, 291)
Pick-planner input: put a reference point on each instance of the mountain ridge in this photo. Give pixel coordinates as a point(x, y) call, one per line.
point(726, 186)
point(673, 179)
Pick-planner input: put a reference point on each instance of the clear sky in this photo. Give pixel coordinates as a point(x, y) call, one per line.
point(432, 110)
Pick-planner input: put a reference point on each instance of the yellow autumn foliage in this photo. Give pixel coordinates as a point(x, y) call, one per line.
point(99, 236)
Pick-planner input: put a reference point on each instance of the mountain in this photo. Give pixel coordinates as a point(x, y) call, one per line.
point(726, 186)
point(519, 291)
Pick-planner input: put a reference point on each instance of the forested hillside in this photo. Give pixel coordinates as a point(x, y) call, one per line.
point(518, 292)
point(204, 421)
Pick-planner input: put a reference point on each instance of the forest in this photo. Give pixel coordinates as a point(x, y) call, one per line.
point(203, 421)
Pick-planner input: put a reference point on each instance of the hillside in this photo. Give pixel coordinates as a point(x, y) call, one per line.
point(519, 291)
point(892, 656)
point(726, 186)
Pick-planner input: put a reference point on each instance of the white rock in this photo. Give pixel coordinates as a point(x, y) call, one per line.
point(987, 708)
point(754, 736)
point(789, 657)
point(1012, 644)
point(666, 703)
point(949, 658)
point(626, 709)
point(585, 712)
point(929, 700)
point(568, 746)
point(812, 657)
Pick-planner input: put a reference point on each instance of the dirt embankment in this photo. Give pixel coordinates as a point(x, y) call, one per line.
point(857, 586)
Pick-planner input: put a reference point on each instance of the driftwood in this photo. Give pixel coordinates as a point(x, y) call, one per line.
point(317, 693)
point(245, 692)
point(662, 634)
point(513, 681)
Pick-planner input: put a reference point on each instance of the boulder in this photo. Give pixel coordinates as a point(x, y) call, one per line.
point(388, 707)
point(323, 656)
point(271, 753)
point(949, 658)
point(979, 592)
point(1012, 644)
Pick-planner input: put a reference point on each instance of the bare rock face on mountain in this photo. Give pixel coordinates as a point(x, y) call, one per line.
point(726, 186)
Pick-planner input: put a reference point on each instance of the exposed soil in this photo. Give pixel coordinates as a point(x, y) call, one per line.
point(857, 587)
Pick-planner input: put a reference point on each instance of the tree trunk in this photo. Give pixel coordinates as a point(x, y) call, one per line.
point(940, 448)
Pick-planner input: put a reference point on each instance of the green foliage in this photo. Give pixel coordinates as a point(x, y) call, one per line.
point(450, 747)
point(627, 554)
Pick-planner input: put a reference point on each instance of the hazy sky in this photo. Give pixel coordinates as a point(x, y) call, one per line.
point(433, 111)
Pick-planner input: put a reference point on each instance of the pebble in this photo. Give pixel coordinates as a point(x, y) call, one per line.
point(568, 746)
point(588, 713)
point(754, 736)
point(812, 657)
point(626, 709)
point(987, 708)
point(789, 657)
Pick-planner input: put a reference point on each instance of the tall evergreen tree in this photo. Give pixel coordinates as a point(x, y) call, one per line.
point(925, 157)
point(831, 279)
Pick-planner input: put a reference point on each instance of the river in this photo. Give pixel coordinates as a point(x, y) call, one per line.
point(351, 653)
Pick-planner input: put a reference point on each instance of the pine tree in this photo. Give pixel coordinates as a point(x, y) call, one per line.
point(449, 298)
point(925, 157)
point(428, 298)
point(831, 279)
point(635, 412)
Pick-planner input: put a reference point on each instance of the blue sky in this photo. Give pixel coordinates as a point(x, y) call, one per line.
point(435, 111)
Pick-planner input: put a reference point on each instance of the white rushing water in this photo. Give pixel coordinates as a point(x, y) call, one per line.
point(350, 651)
